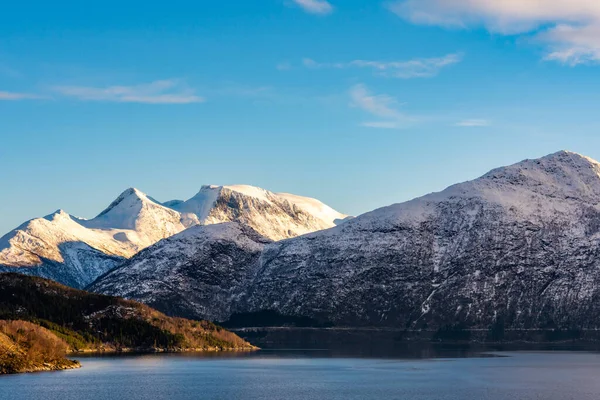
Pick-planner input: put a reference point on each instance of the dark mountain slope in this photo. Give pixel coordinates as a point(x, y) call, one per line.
point(196, 274)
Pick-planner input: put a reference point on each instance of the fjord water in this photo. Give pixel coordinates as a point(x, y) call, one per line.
point(317, 375)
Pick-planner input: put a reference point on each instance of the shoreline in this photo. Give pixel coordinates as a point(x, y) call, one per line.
point(334, 336)
point(69, 364)
point(63, 365)
point(161, 351)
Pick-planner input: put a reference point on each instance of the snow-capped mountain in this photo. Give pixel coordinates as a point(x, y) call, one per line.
point(519, 246)
point(274, 215)
point(198, 272)
point(76, 251)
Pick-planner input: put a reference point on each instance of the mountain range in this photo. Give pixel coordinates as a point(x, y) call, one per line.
point(517, 248)
point(75, 251)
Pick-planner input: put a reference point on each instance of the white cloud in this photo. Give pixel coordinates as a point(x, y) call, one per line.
point(318, 7)
point(569, 28)
point(415, 68)
point(382, 106)
point(573, 44)
point(14, 96)
point(157, 92)
point(471, 123)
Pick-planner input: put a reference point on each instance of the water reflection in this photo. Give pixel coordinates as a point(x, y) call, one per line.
point(324, 365)
point(295, 375)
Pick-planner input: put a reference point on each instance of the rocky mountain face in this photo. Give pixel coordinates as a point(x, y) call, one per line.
point(518, 247)
point(76, 251)
point(198, 273)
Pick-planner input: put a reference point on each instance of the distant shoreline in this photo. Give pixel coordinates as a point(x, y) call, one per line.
point(162, 351)
point(262, 336)
point(68, 364)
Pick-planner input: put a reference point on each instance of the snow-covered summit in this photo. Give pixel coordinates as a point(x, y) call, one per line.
point(128, 198)
point(246, 190)
point(57, 215)
point(52, 246)
point(560, 174)
point(136, 211)
point(274, 215)
point(534, 187)
point(518, 245)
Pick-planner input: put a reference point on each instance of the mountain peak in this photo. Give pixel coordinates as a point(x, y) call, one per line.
point(129, 209)
point(532, 186)
point(563, 168)
point(568, 156)
point(246, 190)
point(251, 191)
point(129, 196)
point(274, 215)
point(135, 192)
point(563, 152)
point(56, 215)
point(209, 187)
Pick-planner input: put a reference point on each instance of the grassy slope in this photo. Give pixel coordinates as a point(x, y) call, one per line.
point(91, 322)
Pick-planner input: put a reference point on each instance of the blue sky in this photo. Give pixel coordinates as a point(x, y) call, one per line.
point(358, 103)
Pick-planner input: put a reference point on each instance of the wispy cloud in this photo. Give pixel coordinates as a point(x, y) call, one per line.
point(318, 7)
point(570, 29)
point(472, 123)
point(415, 68)
point(157, 92)
point(15, 96)
point(382, 106)
point(573, 45)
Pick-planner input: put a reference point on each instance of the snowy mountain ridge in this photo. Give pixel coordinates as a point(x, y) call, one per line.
point(274, 215)
point(518, 247)
point(60, 246)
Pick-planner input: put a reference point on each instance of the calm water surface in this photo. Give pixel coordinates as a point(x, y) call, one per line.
point(315, 375)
